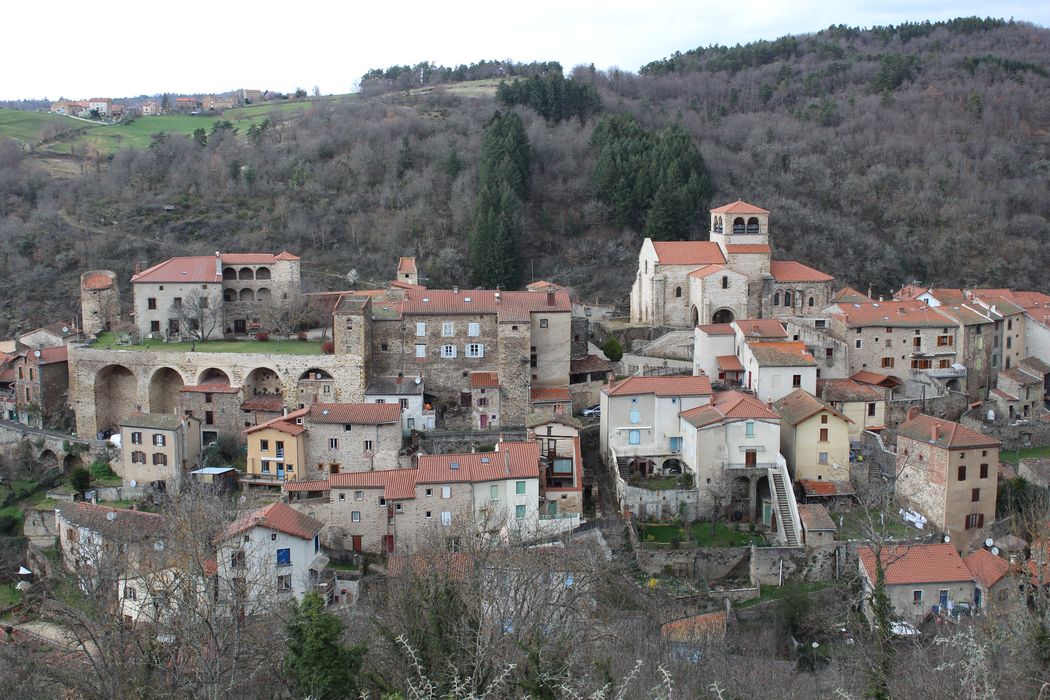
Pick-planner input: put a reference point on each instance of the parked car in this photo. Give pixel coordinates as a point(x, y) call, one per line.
point(595, 410)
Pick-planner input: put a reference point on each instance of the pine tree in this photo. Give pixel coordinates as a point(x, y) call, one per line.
point(319, 665)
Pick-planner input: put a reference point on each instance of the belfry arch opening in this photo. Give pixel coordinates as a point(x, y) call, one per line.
point(722, 316)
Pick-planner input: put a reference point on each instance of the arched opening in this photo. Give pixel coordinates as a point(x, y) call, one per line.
point(213, 375)
point(263, 273)
point(640, 467)
point(678, 292)
point(229, 295)
point(672, 466)
point(787, 299)
point(314, 374)
point(953, 385)
point(48, 459)
point(764, 503)
point(719, 224)
point(722, 316)
point(247, 295)
point(228, 273)
point(696, 316)
point(245, 273)
point(740, 499)
point(776, 299)
point(809, 302)
point(164, 388)
point(116, 396)
point(752, 225)
point(738, 225)
point(263, 294)
point(264, 381)
point(71, 462)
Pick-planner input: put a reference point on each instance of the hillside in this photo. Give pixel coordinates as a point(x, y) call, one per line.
point(918, 151)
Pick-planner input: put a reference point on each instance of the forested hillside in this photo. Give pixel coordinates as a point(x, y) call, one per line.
point(918, 151)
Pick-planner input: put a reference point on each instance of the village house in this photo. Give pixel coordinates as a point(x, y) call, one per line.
point(1021, 391)
point(997, 591)
point(406, 392)
point(863, 404)
point(948, 473)
point(159, 449)
point(53, 335)
point(216, 405)
point(276, 451)
point(814, 439)
point(149, 108)
point(269, 556)
point(818, 529)
point(101, 105)
point(214, 103)
point(41, 385)
point(689, 283)
point(497, 493)
point(640, 428)
point(561, 461)
point(187, 104)
point(351, 437)
point(755, 354)
point(484, 400)
point(917, 578)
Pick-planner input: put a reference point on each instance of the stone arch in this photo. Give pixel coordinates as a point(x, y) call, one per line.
point(116, 396)
point(752, 225)
point(719, 224)
point(763, 492)
point(48, 458)
point(164, 388)
point(263, 273)
point(229, 295)
point(263, 381)
point(696, 316)
point(952, 384)
point(229, 273)
point(776, 299)
point(641, 466)
point(314, 374)
point(213, 375)
point(247, 295)
point(245, 273)
point(739, 226)
point(71, 462)
point(263, 294)
point(673, 465)
point(722, 316)
point(787, 298)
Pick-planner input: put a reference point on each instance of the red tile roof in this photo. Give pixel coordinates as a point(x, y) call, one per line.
point(717, 329)
point(793, 271)
point(729, 363)
point(542, 286)
point(312, 485)
point(848, 390)
point(909, 292)
point(986, 567)
point(706, 270)
point(688, 253)
point(1003, 395)
point(484, 380)
point(201, 268)
point(818, 487)
point(782, 354)
point(285, 255)
point(739, 207)
point(868, 377)
point(682, 385)
point(510, 460)
point(815, 517)
point(97, 282)
point(367, 413)
point(406, 264)
point(800, 405)
point(276, 516)
point(397, 484)
point(49, 355)
point(268, 404)
point(917, 564)
point(511, 306)
point(696, 629)
point(729, 406)
point(950, 435)
point(543, 394)
point(850, 295)
point(908, 314)
point(761, 328)
point(591, 363)
point(285, 424)
point(747, 248)
point(211, 388)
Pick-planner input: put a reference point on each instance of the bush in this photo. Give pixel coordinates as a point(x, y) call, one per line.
point(262, 336)
point(328, 347)
point(9, 524)
point(100, 469)
point(80, 479)
point(301, 335)
point(613, 350)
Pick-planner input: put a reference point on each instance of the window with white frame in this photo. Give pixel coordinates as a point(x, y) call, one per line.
point(359, 495)
point(355, 516)
point(822, 457)
point(634, 437)
point(448, 350)
point(333, 443)
point(421, 350)
point(493, 492)
point(446, 492)
point(473, 329)
point(448, 329)
point(636, 416)
point(446, 517)
point(749, 428)
point(519, 488)
point(475, 350)
point(421, 329)
point(158, 439)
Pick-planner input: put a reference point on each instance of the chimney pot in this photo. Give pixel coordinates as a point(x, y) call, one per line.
point(455, 290)
point(913, 412)
point(550, 298)
point(936, 432)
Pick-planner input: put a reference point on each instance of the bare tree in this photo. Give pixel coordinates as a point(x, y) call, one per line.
point(199, 314)
point(290, 316)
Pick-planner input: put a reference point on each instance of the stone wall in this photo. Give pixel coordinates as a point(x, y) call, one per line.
point(950, 407)
point(663, 504)
point(823, 563)
point(706, 563)
point(1014, 434)
point(39, 527)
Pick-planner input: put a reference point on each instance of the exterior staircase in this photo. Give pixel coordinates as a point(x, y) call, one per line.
point(789, 526)
point(677, 345)
point(622, 466)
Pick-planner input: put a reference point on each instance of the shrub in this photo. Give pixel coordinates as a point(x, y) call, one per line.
point(613, 350)
point(80, 479)
point(328, 347)
point(262, 336)
point(9, 524)
point(301, 335)
point(100, 469)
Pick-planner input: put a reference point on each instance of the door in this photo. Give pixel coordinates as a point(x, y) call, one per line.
point(552, 507)
point(240, 326)
point(356, 543)
point(977, 598)
point(751, 458)
point(484, 421)
point(943, 599)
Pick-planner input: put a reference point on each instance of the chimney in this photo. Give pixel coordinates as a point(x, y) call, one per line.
point(935, 432)
point(400, 377)
point(218, 264)
point(901, 311)
point(284, 412)
point(497, 296)
point(550, 298)
point(506, 462)
point(455, 290)
point(913, 412)
point(769, 402)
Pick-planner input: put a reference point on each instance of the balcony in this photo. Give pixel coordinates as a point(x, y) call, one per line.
point(946, 372)
point(731, 466)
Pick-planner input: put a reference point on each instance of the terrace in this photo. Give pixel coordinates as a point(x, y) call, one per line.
point(110, 341)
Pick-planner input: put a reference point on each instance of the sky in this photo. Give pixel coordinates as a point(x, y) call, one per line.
point(118, 48)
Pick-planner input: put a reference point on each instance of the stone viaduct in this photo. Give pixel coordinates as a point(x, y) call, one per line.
point(106, 385)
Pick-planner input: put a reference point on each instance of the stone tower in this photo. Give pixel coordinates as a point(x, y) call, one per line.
point(352, 333)
point(99, 301)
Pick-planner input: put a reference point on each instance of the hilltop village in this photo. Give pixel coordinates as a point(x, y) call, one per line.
point(738, 423)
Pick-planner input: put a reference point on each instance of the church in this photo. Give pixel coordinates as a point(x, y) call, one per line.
point(730, 276)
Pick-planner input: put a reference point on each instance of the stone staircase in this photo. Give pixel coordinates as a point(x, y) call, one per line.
point(622, 466)
point(788, 523)
point(676, 345)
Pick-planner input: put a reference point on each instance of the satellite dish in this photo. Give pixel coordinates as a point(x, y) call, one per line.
point(36, 353)
point(111, 516)
point(133, 483)
point(419, 380)
point(947, 539)
point(989, 542)
point(65, 329)
point(995, 551)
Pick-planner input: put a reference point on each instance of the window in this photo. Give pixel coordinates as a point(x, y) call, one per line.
point(475, 350)
point(636, 416)
point(138, 457)
point(446, 492)
point(403, 403)
point(333, 443)
point(151, 304)
point(421, 329)
point(916, 341)
point(787, 298)
point(209, 418)
point(284, 557)
point(887, 362)
point(519, 512)
point(158, 439)
point(1009, 342)
point(796, 380)
point(428, 515)
point(474, 329)
point(399, 508)
point(776, 299)
point(829, 353)
point(822, 457)
point(130, 593)
point(273, 536)
point(421, 351)
point(871, 410)
point(916, 597)
point(369, 446)
point(136, 438)
point(678, 292)
point(975, 495)
point(154, 326)
point(974, 520)
point(725, 282)
point(921, 364)
point(160, 458)
point(493, 492)
point(177, 302)
point(448, 329)
point(342, 497)
point(348, 427)
point(284, 583)
point(984, 471)
point(359, 495)
point(384, 347)
point(820, 323)
point(446, 517)
point(859, 343)
point(749, 428)
point(483, 401)
point(823, 434)
point(519, 488)
point(429, 492)
point(207, 398)
point(543, 323)
point(962, 472)
point(824, 418)
point(448, 350)
point(944, 341)
point(810, 302)
point(634, 437)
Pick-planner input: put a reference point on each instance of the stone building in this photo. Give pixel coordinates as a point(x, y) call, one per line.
point(948, 473)
point(217, 406)
point(232, 291)
point(406, 392)
point(917, 577)
point(159, 450)
point(689, 283)
point(351, 437)
point(99, 301)
point(41, 385)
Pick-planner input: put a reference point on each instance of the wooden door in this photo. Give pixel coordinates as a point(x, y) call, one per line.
point(356, 543)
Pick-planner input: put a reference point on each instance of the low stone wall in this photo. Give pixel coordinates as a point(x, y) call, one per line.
point(1014, 434)
point(704, 563)
point(770, 566)
point(39, 527)
point(585, 394)
point(119, 493)
point(950, 406)
point(664, 504)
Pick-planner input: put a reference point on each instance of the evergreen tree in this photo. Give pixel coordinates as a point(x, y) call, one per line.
point(321, 668)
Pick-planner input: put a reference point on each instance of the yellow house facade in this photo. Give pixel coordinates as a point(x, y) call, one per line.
point(814, 438)
point(277, 450)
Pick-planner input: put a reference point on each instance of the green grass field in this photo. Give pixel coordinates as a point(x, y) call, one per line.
point(25, 127)
point(1014, 456)
point(701, 535)
point(275, 347)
